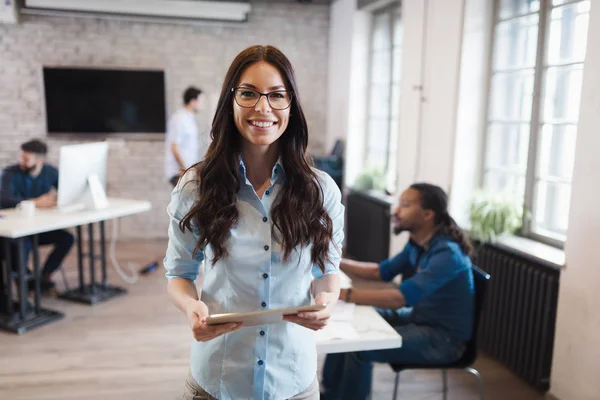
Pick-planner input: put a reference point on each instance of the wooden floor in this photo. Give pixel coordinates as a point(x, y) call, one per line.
point(137, 346)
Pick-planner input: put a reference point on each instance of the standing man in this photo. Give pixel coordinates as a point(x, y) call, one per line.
point(182, 143)
point(33, 179)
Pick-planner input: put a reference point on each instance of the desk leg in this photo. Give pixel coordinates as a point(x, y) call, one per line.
point(91, 258)
point(21, 263)
point(93, 292)
point(2, 280)
point(35, 249)
point(80, 258)
point(103, 254)
point(8, 270)
point(25, 318)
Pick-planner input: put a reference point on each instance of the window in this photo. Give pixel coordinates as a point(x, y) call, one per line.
point(384, 94)
point(536, 73)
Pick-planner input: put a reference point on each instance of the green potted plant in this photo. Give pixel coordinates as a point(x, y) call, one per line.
point(370, 179)
point(492, 215)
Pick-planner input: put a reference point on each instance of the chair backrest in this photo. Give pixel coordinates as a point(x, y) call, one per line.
point(481, 280)
point(338, 148)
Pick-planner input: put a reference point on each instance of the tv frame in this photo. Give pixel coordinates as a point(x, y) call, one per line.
point(92, 136)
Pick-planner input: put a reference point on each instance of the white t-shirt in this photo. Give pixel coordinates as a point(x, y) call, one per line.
point(183, 130)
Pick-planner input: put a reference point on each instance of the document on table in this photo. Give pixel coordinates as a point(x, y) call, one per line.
point(343, 311)
point(340, 324)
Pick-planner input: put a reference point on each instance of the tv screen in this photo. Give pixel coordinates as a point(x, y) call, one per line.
point(85, 100)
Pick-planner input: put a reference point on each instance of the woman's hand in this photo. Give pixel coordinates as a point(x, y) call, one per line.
point(197, 311)
point(315, 320)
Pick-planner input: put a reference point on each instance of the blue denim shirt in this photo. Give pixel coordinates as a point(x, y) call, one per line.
point(16, 185)
point(441, 291)
point(275, 361)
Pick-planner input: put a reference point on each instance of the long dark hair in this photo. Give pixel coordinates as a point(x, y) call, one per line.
point(298, 214)
point(435, 199)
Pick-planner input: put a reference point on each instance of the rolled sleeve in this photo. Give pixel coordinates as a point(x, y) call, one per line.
point(180, 262)
point(332, 203)
point(443, 266)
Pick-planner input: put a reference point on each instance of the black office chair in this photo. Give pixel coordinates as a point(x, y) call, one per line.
point(481, 280)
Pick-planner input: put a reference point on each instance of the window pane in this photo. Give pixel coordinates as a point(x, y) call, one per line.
point(393, 155)
point(568, 33)
point(382, 36)
point(379, 101)
point(395, 111)
point(515, 43)
point(556, 152)
point(559, 2)
point(381, 67)
point(511, 186)
point(398, 29)
point(507, 146)
point(551, 209)
point(511, 96)
point(397, 65)
point(512, 8)
point(562, 93)
point(377, 143)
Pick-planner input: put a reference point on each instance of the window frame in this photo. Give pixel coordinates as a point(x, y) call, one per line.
point(391, 9)
point(535, 122)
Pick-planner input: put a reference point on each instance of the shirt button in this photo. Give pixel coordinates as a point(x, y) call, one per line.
point(263, 304)
point(265, 276)
point(262, 333)
point(260, 362)
point(266, 248)
point(265, 219)
point(267, 192)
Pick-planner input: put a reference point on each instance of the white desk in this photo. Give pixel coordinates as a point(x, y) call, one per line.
point(16, 227)
point(13, 225)
point(374, 333)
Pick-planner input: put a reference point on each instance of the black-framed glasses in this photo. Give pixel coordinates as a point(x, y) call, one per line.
point(248, 98)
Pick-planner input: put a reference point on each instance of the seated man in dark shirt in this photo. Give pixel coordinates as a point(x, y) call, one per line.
point(432, 309)
point(33, 179)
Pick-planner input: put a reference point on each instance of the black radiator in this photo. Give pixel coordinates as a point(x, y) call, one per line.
point(518, 318)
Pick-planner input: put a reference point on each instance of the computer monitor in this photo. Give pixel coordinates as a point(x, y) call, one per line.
point(82, 176)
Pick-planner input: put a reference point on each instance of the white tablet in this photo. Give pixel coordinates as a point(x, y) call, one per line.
point(260, 317)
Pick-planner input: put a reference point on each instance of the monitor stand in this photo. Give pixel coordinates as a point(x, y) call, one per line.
point(95, 192)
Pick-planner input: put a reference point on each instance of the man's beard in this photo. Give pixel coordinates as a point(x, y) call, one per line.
point(399, 229)
point(27, 170)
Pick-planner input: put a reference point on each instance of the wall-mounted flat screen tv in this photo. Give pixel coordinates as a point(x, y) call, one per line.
point(104, 101)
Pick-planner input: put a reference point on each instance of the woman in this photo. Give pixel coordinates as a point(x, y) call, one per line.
point(266, 223)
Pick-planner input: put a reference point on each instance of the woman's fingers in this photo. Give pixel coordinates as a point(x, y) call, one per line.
point(208, 332)
point(307, 323)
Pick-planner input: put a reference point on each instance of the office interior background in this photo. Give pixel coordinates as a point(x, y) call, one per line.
point(501, 96)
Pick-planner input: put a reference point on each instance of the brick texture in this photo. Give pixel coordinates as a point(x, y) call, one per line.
point(198, 55)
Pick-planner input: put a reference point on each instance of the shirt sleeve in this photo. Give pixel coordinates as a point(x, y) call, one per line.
point(180, 262)
point(8, 193)
point(396, 265)
point(332, 202)
point(443, 266)
point(176, 126)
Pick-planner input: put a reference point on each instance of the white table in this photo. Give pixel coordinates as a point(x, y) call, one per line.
point(374, 333)
point(16, 227)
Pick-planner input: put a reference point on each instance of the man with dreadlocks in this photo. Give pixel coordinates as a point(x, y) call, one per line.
point(432, 309)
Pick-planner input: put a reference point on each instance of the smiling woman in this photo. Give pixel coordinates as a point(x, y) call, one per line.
point(271, 228)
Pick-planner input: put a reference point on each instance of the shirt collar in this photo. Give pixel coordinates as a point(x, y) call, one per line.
point(426, 243)
point(276, 172)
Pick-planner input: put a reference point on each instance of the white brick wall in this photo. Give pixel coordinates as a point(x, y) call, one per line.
point(198, 55)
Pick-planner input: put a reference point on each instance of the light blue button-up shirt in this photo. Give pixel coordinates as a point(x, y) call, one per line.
point(276, 361)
